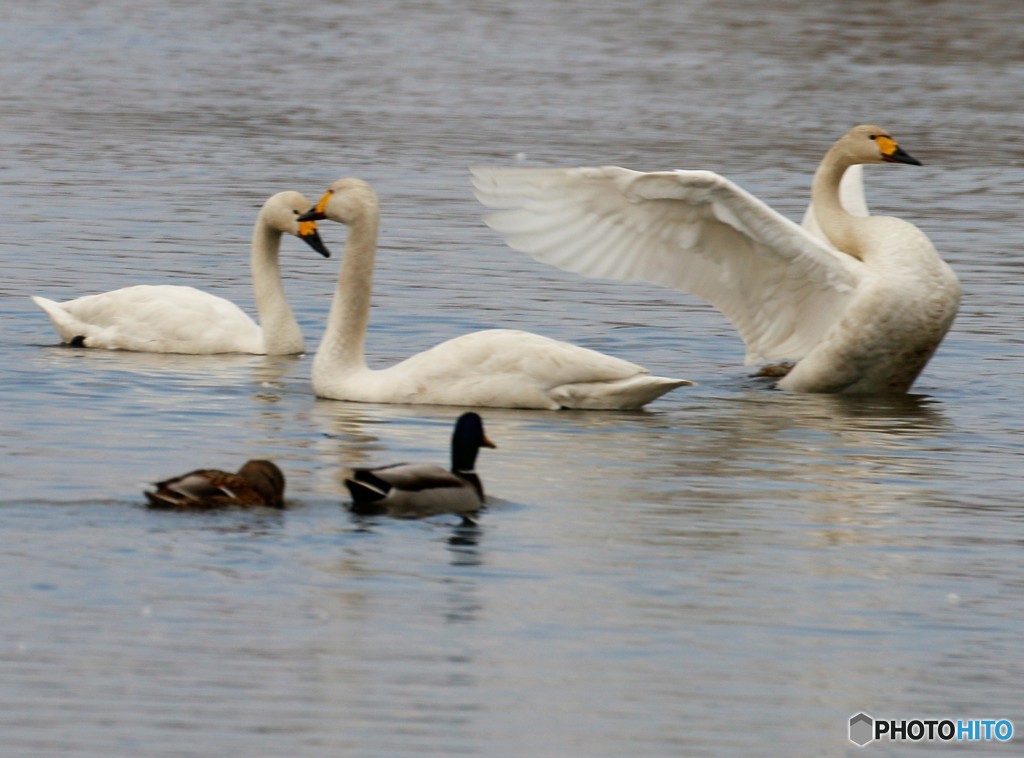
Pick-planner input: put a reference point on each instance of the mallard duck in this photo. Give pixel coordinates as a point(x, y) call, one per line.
point(165, 318)
point(257, 483)
point(410, 490)
point(858, 303)
point(504, 368)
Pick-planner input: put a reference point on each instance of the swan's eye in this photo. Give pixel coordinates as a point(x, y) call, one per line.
point(295, 212)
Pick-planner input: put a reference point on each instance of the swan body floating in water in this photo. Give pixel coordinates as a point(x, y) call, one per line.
point(415, 490)
point(177, 319)
point(498, 367)
point(860, 303)
point(257, 483)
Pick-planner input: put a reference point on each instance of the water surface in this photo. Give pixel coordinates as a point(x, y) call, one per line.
point(732, 571)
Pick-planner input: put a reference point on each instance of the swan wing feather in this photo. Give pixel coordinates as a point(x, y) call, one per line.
point(514, 354)
point(780, 286)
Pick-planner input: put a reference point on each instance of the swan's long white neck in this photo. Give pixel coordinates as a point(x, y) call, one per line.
point(281, 333)
point(342, 348)
point(841, 228)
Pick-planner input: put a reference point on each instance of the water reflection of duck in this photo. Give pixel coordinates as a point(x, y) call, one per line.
point(175, 319)
point(412, 490)
point(859, 302)
point(257, 483)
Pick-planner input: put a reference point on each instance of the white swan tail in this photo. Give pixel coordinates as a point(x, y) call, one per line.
point(620, 394)
point(68, 327)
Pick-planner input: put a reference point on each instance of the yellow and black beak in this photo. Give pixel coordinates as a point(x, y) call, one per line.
point(309, 235)
point(893, 153)
point(316, 213)
point(487, 443)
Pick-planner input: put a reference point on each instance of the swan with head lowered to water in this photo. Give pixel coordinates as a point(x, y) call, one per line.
point(166, 318)
point(497, 367)
point(859, 303)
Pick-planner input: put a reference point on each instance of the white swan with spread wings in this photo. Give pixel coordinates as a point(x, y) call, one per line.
point(859, 302)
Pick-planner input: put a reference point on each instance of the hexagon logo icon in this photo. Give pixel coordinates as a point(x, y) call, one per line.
point(862, 729)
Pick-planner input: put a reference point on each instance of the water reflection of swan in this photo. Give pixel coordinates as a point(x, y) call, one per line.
point(860, 303)
point(155, 377)
point(864, 453)
point(503, 368)
point(534, 455)
point(827, 455)
point(176, 319)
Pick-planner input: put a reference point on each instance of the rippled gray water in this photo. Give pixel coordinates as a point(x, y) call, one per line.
point(733, 571)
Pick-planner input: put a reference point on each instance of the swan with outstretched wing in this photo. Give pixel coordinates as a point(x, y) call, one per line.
point(858, 302)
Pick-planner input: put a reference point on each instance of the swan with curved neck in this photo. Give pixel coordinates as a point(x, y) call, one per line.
point(859, 303)
point(496, 367)
point(177, 319)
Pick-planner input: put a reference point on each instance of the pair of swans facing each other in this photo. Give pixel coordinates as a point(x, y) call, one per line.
point(180, 319)
point(404, 490)
point(859, 303)
point(496, 368)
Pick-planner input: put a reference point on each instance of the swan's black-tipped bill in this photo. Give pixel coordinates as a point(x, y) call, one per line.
point(899, 155)
point(313, 240)
point(312, 215)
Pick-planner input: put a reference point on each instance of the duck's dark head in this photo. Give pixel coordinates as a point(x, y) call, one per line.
point(267, 479)
point(467, 439)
